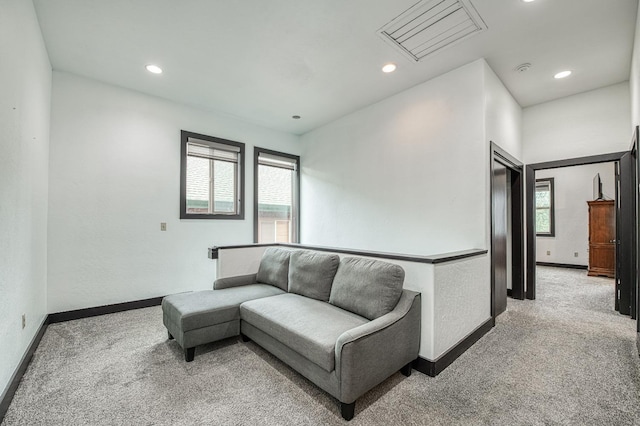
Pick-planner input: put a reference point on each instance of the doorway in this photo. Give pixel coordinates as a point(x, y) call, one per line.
point(507, 230)
point(625, 283)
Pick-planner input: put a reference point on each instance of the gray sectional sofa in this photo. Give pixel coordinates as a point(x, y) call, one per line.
point(345, 324)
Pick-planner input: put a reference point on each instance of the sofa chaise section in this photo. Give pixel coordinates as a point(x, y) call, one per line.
point(201, 317)
point(197, 318)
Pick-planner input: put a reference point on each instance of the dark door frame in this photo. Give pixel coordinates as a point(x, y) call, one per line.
point(501, 156)
point(635, 156)
point(530, 171)
point(625, 241)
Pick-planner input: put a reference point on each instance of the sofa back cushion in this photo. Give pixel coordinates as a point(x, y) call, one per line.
point(369, 288)
point(311, 273)
point(274, 268)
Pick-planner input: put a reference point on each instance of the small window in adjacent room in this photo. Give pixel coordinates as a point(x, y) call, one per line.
point(211, 171)
point(276, 207)
point(545, 226)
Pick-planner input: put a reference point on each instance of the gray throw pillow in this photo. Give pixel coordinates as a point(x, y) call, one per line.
point(274, 268)
point(311, 274)
point(369, 288)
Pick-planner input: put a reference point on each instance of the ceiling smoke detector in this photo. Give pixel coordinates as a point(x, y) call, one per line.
point(523, 67)
point(431, 25)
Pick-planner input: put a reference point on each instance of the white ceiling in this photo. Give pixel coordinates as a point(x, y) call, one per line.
point(266, 60)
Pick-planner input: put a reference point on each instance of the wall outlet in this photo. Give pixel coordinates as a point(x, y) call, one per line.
point(163, 226)
point(24, 320)
point(575, 254)
point(548, 252)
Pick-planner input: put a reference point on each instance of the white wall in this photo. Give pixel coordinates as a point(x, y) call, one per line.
point(454, 285)
point(503, 126)
point(590, 123)
point(634, 78)
point(407, 174)
point(25, 90)
point(573, 187)
point(503, 115)
point(242, 261)
point(114, 176)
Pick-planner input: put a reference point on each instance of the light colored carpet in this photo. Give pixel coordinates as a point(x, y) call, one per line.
point(566, 358)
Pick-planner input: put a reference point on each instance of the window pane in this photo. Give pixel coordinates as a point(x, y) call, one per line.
point(275, 204)
point(543, 221)
point(224, 178)
point(198, 177)
point(543, 198)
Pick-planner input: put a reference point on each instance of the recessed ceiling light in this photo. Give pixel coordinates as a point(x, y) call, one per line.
point(390, 67)
point(527, 1)
point(562, 74)
point(295, 117)
point(154, 69)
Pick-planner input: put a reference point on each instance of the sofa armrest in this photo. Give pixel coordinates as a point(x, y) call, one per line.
point(368, 354)
point(237, 281)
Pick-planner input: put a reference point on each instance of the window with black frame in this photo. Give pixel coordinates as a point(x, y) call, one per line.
point(211, 184)
point(277, 194)
point(545, 226)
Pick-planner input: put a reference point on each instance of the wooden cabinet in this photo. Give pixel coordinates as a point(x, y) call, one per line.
point(602, 237)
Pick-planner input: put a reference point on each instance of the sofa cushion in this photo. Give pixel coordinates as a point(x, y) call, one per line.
point(311, 273)
point(370, 288)
point(199, 309)
point(308, 326)
point(274, 267)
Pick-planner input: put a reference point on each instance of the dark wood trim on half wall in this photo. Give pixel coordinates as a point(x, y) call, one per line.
point(433, 259)
point(9, 392)
point(433, 368)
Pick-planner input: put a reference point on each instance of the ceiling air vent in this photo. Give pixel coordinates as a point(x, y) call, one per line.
point(431, 25)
